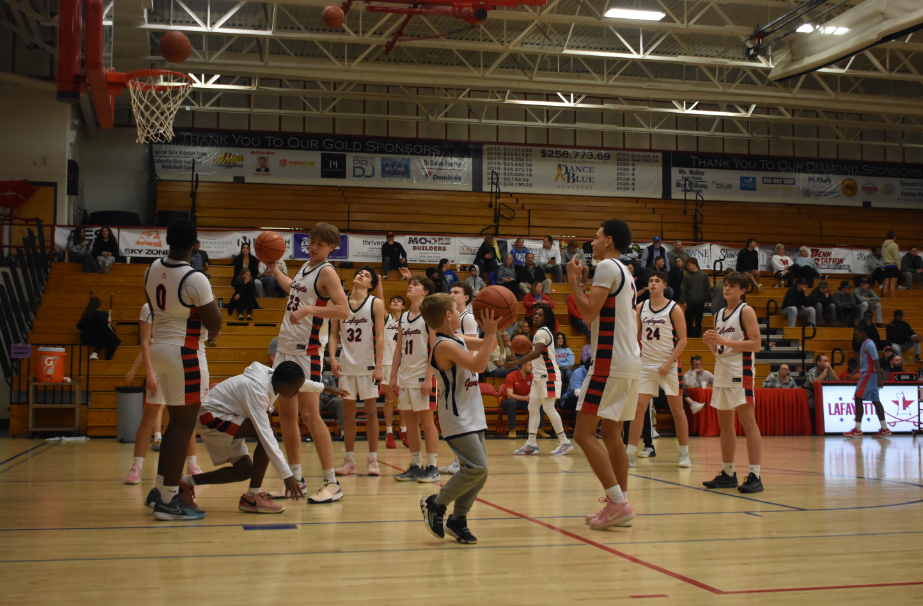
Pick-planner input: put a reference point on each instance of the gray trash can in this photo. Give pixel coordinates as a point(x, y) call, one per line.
point(129, 410)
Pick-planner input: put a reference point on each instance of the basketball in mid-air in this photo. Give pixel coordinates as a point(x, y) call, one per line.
point(333, 17)
point(521, 345)
point(175, 47)
point(502, 301)
point(269, 247)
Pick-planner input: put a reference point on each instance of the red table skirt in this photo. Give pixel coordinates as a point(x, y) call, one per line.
point(779, 412)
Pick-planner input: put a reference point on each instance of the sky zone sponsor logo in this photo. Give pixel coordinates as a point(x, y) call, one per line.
point(149, 238)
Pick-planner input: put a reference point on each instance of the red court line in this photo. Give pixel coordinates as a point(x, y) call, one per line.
point(823, 588)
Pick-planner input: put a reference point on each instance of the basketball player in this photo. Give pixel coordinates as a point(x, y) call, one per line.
point(315, 294)
point(182, 301)
point(734, 340)
point(359, 366)
point(662, 333)
point(870, 377)
point(413, 384)
point(392, 321)
point(461, 415)
point(610, 390)
point(546, 383)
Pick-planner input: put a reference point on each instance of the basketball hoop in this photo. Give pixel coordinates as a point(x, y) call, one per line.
point(155, 97)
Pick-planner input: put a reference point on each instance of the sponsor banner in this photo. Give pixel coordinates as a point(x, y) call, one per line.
point(574, 171)
point(901, 404)
point(366, 248)
point(143, 242)
point(301, 252)
point(429, 249)
point(152, 242)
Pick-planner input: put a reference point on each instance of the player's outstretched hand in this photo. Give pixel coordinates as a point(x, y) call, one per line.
point(405, 272)
point(293, 488)
point(488, 322)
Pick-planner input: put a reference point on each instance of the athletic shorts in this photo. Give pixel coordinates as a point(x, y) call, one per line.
point(182, 374)
point(218, 434)
point(156, 399)
point(360, 387)
point(410, 398)
point(867, 389)
point(385, 374)
point(892, 271)
point(729, 398)
point(313, 366)
point(610, 398)
point(651, 379)
point(542, 389)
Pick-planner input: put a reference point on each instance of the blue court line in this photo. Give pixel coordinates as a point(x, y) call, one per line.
point(23, 452)
point(270, 527)
point(723, 494)
point(30, 457)
point(750, 513)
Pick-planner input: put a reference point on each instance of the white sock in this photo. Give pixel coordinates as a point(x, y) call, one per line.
point(139, 462)
point(859, 425)
point(190, 460)
point(684, 449)
point(431, 460)
point(296, 470)
point(351, 455)
point(168, 492)
point(532, 439)
point(330, 475)
point(158, 483)
point(728, 468)
point(389, 430)
point(625, 494)
point(631, 449)
point(416, 458)
point(157, 436)
point(403, 429)
point(189, 480)
point(373, 456)
point(256, 490)
point(615, 494)
point(755, 469)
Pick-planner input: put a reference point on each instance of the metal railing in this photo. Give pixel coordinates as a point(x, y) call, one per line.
point(772, 307)
point(804, 338)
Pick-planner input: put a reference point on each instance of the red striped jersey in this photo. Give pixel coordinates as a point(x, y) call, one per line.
point(614, 342)
point(546, 367)
point(174, 290)
point(733, 367)
point(306, 338)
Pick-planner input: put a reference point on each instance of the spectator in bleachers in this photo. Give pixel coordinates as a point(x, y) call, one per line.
point(520, 328)
point(696, 294)
point(548, 257)
point(902, 337)
point(698, 377)
point(660, 265)
point(247, 261)
point(805, 267)
point(653, 252)
point(506, 276)
point(586, 353)
point(564, 356)
point(519, 252)
point(444, 270)
point(570, 396)
point(438, 281)
point(105, 250)
point(331, 403)
point(823, 301)
point(748, 262)
point(637, 276)
point(911, 268)
point(864, 294)
point(80, 251)
point(821, 372)
point(393, 255)
point(474, 280)
point(870, 331)
point(486, 257)
point(500, 356)
point(244, 299)
point(896, 364)
point(568, 253)
point(200, 258)
point(884, 360)
point(516, 389)
point(781, 379)
point(781, 266)
point(797, 304)
point(852, 371)
point(576, 318)
point(643, 291)
point(534, 298)
point(677, 253)
point(676, 277)
point(529, 273)
point(876, 266)
point(270, 285)
point(891, 258)
point(95, 331)
point(849, 309)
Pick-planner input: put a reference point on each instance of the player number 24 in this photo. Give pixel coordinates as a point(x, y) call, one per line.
point(653, 334)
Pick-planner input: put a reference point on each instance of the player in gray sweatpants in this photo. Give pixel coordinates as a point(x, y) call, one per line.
point(465, 485)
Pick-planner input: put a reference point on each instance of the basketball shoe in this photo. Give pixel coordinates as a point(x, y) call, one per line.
point(153, 497)
point(433, 516)
point(612, 514)
point(722, 480)
point(752, 484)
point(389, 440)
point(327, 493)
point(372, 467)
point(527, 449)
point(457, 528)
point(176, 510)
point(193, 469)
point(452, 468)
point(430, 474)
point(410, 475)
point(134, 475)
point(684, 460)
point(259, 503)
point(853, 433)
point(884, 432)
point(563, 448)
point(348, 468)
point(696, 407)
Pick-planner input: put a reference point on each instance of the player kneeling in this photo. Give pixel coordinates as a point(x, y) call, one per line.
point(237, 409)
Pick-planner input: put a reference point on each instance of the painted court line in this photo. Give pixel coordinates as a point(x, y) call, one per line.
point(23, 452)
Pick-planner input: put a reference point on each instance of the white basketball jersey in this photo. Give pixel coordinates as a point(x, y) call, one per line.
point(390, 339)
point(658, 337)
point(415, 355)
point(174, 289)
point(304, 338)
point(546, 367)
point(357, 340)
point(614, 340)
point(730, 363)
point(469, 326)
point(461, 410)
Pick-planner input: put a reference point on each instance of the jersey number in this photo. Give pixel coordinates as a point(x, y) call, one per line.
point(720, 349)
point(161, 294)
point(408, 348)
point(293, 303)
point(354, 335)
point(653, 334)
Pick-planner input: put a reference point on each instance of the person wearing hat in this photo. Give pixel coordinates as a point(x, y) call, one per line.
point(393, 255)
point(654, 251)
point(902, 337)
point(849, 309)
point(865, 294)
point(797, 304)
point(823, 301)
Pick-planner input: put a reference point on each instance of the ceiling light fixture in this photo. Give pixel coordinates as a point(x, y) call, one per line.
point(637, 15)
point(807, 28)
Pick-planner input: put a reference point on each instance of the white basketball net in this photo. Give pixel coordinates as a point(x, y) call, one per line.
point(154, 101)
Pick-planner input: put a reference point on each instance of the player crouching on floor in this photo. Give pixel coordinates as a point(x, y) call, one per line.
point(237, 409)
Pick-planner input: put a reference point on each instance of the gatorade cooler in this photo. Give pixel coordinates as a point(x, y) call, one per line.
point(49, 365)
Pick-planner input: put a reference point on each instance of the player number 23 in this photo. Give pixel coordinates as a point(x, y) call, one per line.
point(293, 304)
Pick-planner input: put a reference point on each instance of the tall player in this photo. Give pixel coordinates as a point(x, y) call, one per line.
point(734, 340)
point(610, 390)
point(315, 294)
point(359, 366)
point(392, 321)
point(182, 301)
point(870, 377)
point(662, 333)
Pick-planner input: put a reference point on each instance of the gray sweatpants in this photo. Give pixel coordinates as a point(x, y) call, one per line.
point(465, 485)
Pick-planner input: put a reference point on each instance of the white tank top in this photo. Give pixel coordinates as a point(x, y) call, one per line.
point(730, 363)
point(390, 339)
point(357, 340)
point(546, 367)
point(469, 326)
point(461, 410)
point(415, 355)
point(614, 341)
point(304, 338)
point(175, 289)
point(658, 336)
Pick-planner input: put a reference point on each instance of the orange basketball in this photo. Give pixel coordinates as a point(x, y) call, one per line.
point(502, 301)
point(175, 47)
point(521, 345)
point(333, 17)
point(269, 247)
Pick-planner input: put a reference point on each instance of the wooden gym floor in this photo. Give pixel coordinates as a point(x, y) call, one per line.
point(840, 522)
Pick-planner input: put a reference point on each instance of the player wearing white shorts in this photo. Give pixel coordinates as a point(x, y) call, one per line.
point(359, 366)
point(662, 334)
point(610, 391)
point(184, 308)
point(315, 294)
point(392, 322)
point(734, 341)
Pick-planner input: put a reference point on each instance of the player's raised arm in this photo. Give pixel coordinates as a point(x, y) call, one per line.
point(284, 281)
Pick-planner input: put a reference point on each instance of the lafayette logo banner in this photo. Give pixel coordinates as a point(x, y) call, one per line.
point(901, 404)
point(302, 252)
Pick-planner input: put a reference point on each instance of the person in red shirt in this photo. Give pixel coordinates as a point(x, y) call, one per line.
point(534, 298)
point(516, 389)
point(576, 319)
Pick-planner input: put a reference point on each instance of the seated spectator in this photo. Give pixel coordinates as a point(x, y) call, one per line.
point(576, 318)
point(748, 262)
point(105, 250)
point(852, 371)
point(896, 364)
point(660, 264)
point(536, 297)
point(781, 379)
point(781, 266)
point(520, 328)
point(80, 251)
point(200, 258)
point(805, 267)
point(444, 270)
point(637, 276)
point(548, 257)
point(696, 294)
point(870, 331)
point(677, 253)
point(564, 356)
point(821, 372)
point(529, 273)
point(95, 330)
point(486, 257)
point(506, 276)
point(247, 261)
point(474, 280)
point(572, 393)
point(823, 301)
point(568, 253)
point(519, 252)
point(902, 337)
point(500, 356)
point(393, 255)
point(697, 377)
point(884, 360)
point(438, 281)
point(675, 278)
point(586, 354)
point(244, 299)
point(797, 304)
point(876, 266)
point(517, 388)
point(270, 285)
point(848, 308)
point(864, 294)
point(911, 268)
point(331, 403)
point(653, 252)
point(632, 254)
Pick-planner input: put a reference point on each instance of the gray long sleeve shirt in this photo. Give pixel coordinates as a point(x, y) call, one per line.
point(696, 288)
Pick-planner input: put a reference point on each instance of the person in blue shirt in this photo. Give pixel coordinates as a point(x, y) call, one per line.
point(445, 272)
point(569, 398)
point(565, 357)
point(519, 252)
point(870, 378)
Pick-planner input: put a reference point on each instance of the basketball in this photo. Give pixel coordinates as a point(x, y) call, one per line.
point(269, 247)
point(333, 17)
point(175, 47)
point(521, 345)
point(502, 301)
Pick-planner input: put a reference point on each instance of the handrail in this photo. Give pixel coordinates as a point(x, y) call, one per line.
point(833, 362)
point(716, 268)
point(804, 338)
point(772, 307)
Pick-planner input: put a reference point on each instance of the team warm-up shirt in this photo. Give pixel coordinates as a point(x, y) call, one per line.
point(733, 368)
point(461, 410)
point(868, 353)
point(175, 290)
point(415, 355)
point(614, 341)
point(357, 340)
point(305, 338)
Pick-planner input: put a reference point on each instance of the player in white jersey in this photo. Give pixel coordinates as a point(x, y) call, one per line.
point(359, 366)
point(546, 383)
point(413, 384)
point(315, 295)
point(610, 391)
point(183, 304)
point(461, 415)
point(392, 322)
point(662, 333)
point(734, 341)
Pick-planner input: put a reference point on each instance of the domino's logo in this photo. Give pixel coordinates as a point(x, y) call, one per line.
point(748, 184)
